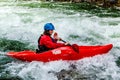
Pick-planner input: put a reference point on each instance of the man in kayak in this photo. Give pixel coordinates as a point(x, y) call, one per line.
point(46, 42)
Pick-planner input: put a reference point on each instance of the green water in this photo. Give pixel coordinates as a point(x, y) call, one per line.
point(14, 45)
point(77, 7)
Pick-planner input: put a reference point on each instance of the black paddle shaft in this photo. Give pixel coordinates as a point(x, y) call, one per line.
point(74, 46)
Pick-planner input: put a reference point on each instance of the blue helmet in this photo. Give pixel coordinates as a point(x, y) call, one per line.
point(49, 26)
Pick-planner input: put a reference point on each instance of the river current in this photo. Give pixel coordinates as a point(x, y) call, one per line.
point(24, 25)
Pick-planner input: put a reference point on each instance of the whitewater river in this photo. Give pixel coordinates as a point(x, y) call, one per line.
point(24, 25)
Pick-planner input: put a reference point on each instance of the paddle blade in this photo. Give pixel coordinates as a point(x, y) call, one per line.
point(75, 47)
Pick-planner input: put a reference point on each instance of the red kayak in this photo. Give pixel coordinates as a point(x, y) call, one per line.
point(62, 53)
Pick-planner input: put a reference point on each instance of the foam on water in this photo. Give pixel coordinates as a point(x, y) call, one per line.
point(98, 67)
point(26, 24)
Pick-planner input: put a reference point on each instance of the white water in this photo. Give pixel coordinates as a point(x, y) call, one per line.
point(26, 24)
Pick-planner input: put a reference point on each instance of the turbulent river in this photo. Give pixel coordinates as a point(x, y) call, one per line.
point(20, 28)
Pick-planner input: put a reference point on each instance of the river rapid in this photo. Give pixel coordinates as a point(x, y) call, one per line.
point(21, 26)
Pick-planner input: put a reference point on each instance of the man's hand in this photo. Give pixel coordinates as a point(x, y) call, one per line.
point(55, 36)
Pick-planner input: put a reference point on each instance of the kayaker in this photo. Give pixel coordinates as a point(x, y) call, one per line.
point(46, 42)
